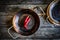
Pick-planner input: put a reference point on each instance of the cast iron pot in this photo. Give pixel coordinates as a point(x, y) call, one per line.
point(53, 12)
point(18, 22)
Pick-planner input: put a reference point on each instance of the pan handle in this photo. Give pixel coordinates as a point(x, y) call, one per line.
point(11, 34)
point(40, 9)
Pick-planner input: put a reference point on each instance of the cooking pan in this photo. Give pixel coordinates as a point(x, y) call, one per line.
point(20, 18)
point(53, 12)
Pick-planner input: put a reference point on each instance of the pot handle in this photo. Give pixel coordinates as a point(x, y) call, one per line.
point(11, 34)
point(40, 9)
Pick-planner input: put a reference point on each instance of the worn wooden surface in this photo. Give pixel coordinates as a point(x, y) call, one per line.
point(8, 11)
